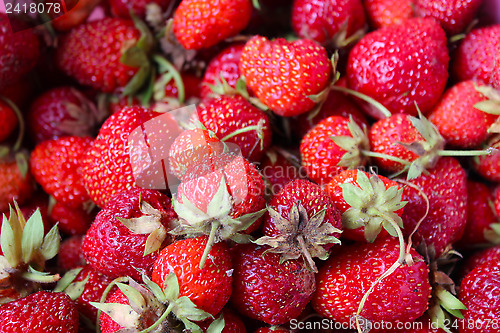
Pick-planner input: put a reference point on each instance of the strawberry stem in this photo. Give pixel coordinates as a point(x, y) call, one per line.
point(160, 320)
point(365, 98)
point(483, 152)
point(41, 278)
point(210, 243)
point(166, 66)
point(370, 153)
point(306, 254)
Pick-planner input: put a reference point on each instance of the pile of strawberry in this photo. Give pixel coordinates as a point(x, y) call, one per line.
point(251, 166)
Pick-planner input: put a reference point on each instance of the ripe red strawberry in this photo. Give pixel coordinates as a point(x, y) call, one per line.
point(283, 74)
point(333, 145)
point(401, 65)
point(479, 293)
point(477, 55)
point(209, 288)
point(225, 65)
point(480, 217)
point(41, 312)
point(55, 165)
point(20, 50)
point(232, 322)
point(382, 13)
point(446, 188)
point(8, 120)
point(342, 282)
point(302, 221)
point(328, 21)
point(123, 8)
point(459, 122)
point(278, 171)
point(91, 53)
point(479, 258)
point(235, 120)
point(488, 166)
point(15, 184)
point(62, 111)
point(76, 14)
point(200, 24)
point(72, 221)
point(192, 86)
point(134, 222)
point(257, 276)
point(70, 254)
point(380, 197)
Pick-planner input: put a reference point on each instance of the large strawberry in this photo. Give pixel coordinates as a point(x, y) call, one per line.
point(200, 24)
point(401, 65)
point(341, 284)
point(41, 312)
point(284, 74)
point(302, 221)
point(135, 222)
point(257, 276)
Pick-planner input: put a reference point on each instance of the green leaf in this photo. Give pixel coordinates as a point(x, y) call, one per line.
point(51, 243)
point(134, 297)
point(221, 204)
point(154, 288)
point(76, 289)
point(390, 229)
point(32, 237)
point(171, 287)
point(155, 240)
point(134, 57)
point(188, 212)
point(352, 195)
point(217, 325)
point(66, 280)
point(364, 182)
point(10, 250)
point(138, 80)
point(122, 314)
point(372, 230)
point(488, 106)
point(187, 309)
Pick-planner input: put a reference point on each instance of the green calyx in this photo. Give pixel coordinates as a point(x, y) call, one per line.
point(372, 206)
point(354, 146)
point(66, 284)
point(492, 234)
point(168, 73)
point(300, 236)
point(491, 105)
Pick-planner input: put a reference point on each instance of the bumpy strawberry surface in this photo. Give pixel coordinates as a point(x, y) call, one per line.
point(14, 185)
point(382, 13)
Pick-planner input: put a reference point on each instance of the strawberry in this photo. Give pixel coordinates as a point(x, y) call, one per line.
point(477, 56)
point(478, 258)
point(62, 111)
point(284, 74)
point(277, 170)
point(235, 120)
point(232, 322)
point(15, 183)
point(257, 276)
point(488, 166)
point(382, 13)
point(301, 221)
point(41, 312)
point(334, 144)
point(208, 288)
point(71, 254)
point(400, 297)
point(72, 221)
point(20, 50)
point(401, 65)
point(224, 65)
point(446, 189)
point(8, 120)
point(328, 21)
point(135, 222)
point(91, 53)
point(55, 165)
point(123, 8)
point(76, 14)
point(458, 120)
point(200, 24)
point(368, 198)
point(482, 223)
point(478, 292)
point(192, 87)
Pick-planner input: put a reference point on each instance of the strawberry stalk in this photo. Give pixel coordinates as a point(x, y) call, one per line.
point(169, 72)
point(160, 320)
point(210, 243)
point(365, 98)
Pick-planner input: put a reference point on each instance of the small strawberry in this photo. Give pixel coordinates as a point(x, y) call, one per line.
point(401, 65)
point(382, 13)
point(200, 24)
point(334, 144)
point(235, 120)
point(328, 21)
point(135, 222)
point(55, 165)
point(284, 74)
point(257, 276)
point(208, 288)
point(41, 312)
point(479, 293)
point(301, 221)
point(70, 254)
point(347, 276)
point(72, 221)
point(8, 120)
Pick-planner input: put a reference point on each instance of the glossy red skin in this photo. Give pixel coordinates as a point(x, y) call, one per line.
point(479, 293)
point(454, 16)
point(108, 239)
point(385, 133)
point(107, 324)
point(122, 8)
point(19, 53)
point(320, 155)
point(477, 54)
point(55, 165)
point(8, 121)
point(456, 118)
point(91, 53)
point(347, 276)
point(226, 114)
point(106, 165)
point(401, 65)
point(479, 258)
point(480, 214)
point(72, 221)
point(322, 20)
point(232, 323)
point(488, 166)
point(70, 254)
point(334, 191)
point(224, 64)
point(257, 276)
point(278, 173)
point(49, 112)
point(209, 288)
point(446, 187)
point(198, 24)
point(54, 313)
point(312, 198)
point(381, 13)
point(283, 74)
point(13, 185)
point(192, 87)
